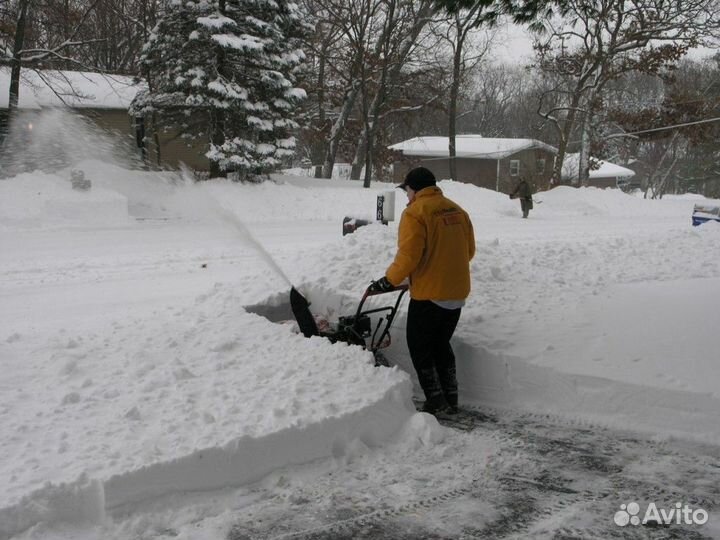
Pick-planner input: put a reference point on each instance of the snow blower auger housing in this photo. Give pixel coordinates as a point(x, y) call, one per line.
point(353, 329)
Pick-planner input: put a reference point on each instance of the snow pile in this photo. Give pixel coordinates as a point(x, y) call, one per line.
point(341, 171)
point(188, 402)
point(480, 203)
point(148, 192)
point(571, 327)
point(42, 200)
point(170, 195)
point(166, 195)
point(591, 201)
point(81, 502)
point(273, 202)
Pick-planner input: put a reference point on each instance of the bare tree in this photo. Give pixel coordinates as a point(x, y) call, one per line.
point(404, 22)
point(466, 53)
point(325, 57)
point(675, 122)
point(363, 152)
point(359, 54)
point(357, 23)
point(121, 28)
point(493, 91)
point(35, 45)
point(598, 41)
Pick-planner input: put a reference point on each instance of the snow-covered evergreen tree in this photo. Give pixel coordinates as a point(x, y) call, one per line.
point(224, 72)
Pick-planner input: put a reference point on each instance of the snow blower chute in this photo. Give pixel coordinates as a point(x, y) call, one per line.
point(352, 329)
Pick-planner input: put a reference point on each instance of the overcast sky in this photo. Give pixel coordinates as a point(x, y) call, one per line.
point(514, 45)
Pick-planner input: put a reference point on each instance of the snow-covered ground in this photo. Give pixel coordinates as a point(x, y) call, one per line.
point(135, 370)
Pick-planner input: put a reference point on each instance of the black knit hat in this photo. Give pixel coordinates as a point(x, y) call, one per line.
point(418, 178)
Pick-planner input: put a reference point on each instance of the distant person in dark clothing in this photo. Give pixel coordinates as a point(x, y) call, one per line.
point(435, 244)
point(523, 191)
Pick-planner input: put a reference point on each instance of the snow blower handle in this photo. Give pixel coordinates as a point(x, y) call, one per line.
point(381, 285)
point(383, 325)
point(378, 287)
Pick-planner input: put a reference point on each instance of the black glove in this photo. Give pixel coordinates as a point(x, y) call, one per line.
point(381, 285)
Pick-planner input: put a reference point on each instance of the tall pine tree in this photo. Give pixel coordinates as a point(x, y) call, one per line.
point(224, 72)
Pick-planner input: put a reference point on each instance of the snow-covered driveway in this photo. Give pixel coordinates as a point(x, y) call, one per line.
point(512, 476)
point(132, 372)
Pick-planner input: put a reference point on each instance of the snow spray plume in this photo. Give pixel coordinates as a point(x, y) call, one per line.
point(228, 217)
point(52, 139)
point(233, 220)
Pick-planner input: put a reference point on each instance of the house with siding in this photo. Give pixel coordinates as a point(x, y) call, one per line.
point(496, 164)
point(603, 174)
point(104, 99)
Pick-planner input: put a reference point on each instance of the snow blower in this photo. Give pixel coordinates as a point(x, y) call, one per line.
point(353, 329)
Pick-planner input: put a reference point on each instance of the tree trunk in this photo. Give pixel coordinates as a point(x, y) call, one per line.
point(368, 155)
point(6, 119)
point(361, 150)
point(584, 157)
point(216, 138)
point(156, 138)
point(351, 93)
point(452, 106)
point(339, 128)
point(318, 148)
point(66, 29)
point(358, 160)
point(217, 125)
point(564, 138)
point(16, 65)
point(379, 97)
point(663, 183)
point(654, 185)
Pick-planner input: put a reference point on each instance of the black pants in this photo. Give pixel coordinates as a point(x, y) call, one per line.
point(429, 329)
point(526, 206)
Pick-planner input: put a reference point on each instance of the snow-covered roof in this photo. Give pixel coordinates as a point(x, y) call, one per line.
point(606, 169)
point(475, 146)
point(50, 88)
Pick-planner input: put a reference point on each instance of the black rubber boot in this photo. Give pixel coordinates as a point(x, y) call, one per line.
point(434, 405)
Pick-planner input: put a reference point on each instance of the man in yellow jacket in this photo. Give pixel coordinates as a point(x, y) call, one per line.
point(435, 245)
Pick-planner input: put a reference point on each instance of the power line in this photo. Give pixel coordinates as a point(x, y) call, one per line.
point(634, 133)
point(658, 103)
point(686, 124)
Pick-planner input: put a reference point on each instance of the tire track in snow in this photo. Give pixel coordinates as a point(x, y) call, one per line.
point(563, 481)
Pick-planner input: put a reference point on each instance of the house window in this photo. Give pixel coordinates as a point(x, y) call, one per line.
point(540, 166)
point(514, 167)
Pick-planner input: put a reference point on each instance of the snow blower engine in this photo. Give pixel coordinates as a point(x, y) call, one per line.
point(353, 329)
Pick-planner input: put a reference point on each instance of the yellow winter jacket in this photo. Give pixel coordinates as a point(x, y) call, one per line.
point(435, 245)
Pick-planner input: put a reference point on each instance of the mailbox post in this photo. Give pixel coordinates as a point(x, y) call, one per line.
point(386, 207)
point(384, 213)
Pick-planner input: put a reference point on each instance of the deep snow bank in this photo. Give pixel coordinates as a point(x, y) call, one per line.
point(39, 197)
point(198, 398)
point(189, 397)
point(545, 328)
point(591, 201)
point(47, 200)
